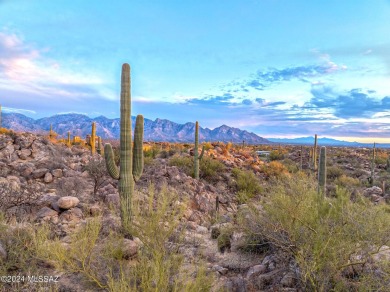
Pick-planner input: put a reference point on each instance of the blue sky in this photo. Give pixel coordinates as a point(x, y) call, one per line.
point(279, 68)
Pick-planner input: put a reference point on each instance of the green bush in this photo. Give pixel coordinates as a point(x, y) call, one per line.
point(276, 155)
point(334, 172)
point(185, 163)
point(210, 168)
point(247, 184)
point(324, 236)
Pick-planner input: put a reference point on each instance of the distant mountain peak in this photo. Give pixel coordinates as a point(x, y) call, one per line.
point(157, 130)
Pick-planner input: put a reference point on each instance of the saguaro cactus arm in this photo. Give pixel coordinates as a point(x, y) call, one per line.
point(201, 154)
point(112, 169)
point(138, 154)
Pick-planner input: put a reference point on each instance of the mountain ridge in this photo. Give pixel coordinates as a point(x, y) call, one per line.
point(159, 130)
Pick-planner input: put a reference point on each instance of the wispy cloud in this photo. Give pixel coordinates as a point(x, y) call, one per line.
point(26, 69)
point(355, 103)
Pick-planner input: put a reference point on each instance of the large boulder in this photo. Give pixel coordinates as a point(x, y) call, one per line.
point(67, 202)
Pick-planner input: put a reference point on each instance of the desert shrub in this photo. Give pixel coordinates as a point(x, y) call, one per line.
point(20, 243)
point(224, 240)
point(96, 168)
point(327, 237)
point(151, 151)
point(70, 186)
point(185, 163)
point(247, 184)
point(207, 146)
point(210, 168)
point(158, 265)
point(274, 168)
point(334, 172)
point(291, 166)
point(276, 155)
point(347, 182)
point(13, 195)
point(226, 148)
point(381, 158)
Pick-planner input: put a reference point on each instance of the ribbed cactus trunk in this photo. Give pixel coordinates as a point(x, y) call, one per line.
point(51, 132)
point(301, 159)
point(197, 157)
point(126, 173)
point(315, 153)
point(322, 172)
point(371, 178)
point(93, 138)
point(100, 148)
point(68, 140)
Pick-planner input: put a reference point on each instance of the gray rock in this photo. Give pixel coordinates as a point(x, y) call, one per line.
point(48, 177)
point(47, 214)
point(255, 271)
point(74, 215)
point(67, 202)
point(24, 153)
point(129, 248)
point(57, 172)
point(39, 173)
point(372, 191)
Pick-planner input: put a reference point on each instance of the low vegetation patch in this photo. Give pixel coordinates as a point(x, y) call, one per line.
point(333, 240)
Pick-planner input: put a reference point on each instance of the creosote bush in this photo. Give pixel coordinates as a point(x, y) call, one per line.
point(210, 168)
point(247, 184)
point(104, 264)
point(274, 169)
point(332, 240)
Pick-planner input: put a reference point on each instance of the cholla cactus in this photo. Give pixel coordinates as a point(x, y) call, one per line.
point(131, 160)
point(322, 172)
point(197, 157)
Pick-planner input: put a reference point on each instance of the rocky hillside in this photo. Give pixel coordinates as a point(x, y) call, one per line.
point(44, 183)
point(158, 130)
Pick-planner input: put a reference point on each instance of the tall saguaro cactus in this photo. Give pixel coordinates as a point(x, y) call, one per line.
point(315, 152)
point(322, 172)
point(68, 140)
point(197, 157)
point(51, 135)
point(93, 138)
point(371, 178)
point(131, 160)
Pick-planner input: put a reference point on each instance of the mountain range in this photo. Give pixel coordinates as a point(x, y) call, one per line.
point(324, 142)
point(157, 130)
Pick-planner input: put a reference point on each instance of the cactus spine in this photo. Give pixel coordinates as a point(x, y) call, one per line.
point(128, 172)
point(315, 152)
point(93, 138)
point(322, 172)
point(197, 157)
